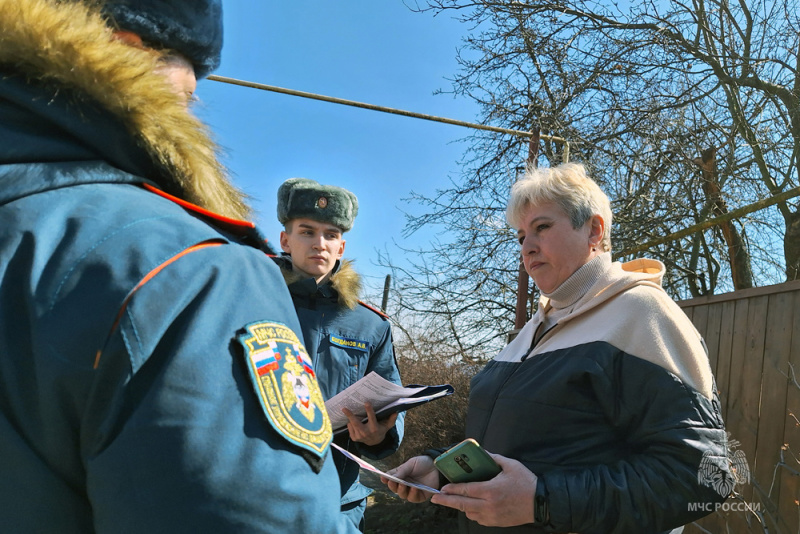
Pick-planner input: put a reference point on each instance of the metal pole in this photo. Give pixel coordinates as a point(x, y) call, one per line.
point(521, 315)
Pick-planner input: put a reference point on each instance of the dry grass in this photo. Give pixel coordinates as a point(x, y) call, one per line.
point(437, 424)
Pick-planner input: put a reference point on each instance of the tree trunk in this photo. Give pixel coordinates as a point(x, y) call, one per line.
point(737, 249)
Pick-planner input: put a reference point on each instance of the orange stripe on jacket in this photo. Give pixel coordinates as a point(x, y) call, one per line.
point(197, 209)
point(149, 276)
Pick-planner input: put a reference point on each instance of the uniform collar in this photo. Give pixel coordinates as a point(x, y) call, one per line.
point(343, 286)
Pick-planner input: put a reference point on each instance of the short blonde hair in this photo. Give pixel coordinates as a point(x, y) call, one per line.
point(566, 185)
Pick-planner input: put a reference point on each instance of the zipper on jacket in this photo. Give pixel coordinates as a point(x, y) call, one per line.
point(535, 341)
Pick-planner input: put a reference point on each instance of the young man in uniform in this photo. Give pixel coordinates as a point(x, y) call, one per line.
point(346, 338)
point(152, 377)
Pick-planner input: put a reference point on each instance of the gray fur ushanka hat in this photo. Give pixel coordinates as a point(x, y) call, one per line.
point(191, 27)
point(301, 198)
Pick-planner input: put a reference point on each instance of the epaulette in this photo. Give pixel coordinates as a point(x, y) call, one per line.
point(376, 310)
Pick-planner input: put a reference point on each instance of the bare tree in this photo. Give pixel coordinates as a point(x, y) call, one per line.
point(641, 92)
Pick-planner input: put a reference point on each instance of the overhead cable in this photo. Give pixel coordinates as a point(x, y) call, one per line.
point(385, 109)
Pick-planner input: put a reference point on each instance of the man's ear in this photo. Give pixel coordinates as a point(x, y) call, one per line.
point(285, 242)
point(341, 250)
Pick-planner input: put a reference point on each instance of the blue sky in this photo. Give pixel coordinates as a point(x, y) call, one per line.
point(378, 52)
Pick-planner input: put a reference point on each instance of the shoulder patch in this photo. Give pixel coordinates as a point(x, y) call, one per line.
point(376, 310)
point(286, 386)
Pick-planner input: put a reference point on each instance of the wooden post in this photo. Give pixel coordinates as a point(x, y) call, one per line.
point(386, 284)
point(521, 315)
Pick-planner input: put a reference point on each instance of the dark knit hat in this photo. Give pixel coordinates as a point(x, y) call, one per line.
point(191, 27)
point(301, 198)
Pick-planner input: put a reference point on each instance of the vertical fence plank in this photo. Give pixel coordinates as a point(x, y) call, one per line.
point(788, 508)
point(749, 386)
point(711, 336)
point(742, 395)
point(743, 400)
point(712, 315)
point(725, 352)
point(733, 409)
point(772, 414)
point(750, 378)
point(700, 319)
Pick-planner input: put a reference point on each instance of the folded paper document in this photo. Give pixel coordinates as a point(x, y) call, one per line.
point(369, 467)
point(386, 398)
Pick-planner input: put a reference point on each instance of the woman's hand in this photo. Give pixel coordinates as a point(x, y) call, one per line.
point(419, 469)
point(373, 431)
point(504, 501)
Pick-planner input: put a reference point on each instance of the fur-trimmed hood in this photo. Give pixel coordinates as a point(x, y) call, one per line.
point(345, 281)
point(68, 47)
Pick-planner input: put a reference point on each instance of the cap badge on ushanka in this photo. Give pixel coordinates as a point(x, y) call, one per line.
point(322, 202)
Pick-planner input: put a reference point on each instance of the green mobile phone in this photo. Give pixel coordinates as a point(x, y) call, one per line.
point(466, 462)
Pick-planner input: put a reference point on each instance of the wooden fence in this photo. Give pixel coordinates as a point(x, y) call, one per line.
point(753, 338)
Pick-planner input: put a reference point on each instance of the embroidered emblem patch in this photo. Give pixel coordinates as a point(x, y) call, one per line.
point(287, 388)
point(349, 343)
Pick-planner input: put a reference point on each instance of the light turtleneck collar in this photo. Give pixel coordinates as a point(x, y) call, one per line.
point(576, 286)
